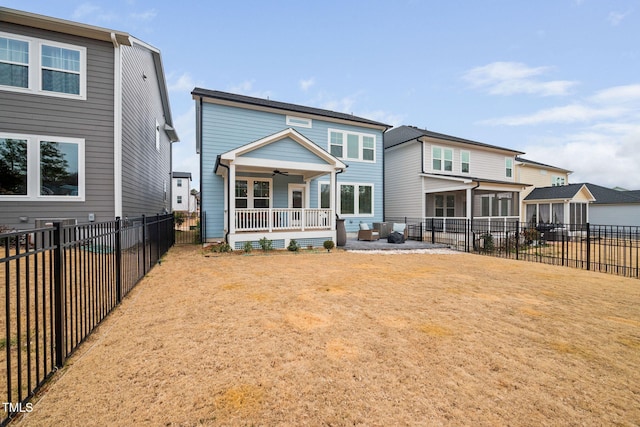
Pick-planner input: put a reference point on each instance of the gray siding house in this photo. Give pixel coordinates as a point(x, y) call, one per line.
point(85, 125)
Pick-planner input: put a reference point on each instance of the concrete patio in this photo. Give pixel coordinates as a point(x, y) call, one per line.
point(353, 244)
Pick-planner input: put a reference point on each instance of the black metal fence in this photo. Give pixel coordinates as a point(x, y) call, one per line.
point(60, 282)
point(605, 248)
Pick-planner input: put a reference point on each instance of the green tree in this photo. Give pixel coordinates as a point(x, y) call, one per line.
point(13, 166)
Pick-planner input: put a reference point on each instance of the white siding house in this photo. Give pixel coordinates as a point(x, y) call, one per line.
point(182, 200)
point(433, 175)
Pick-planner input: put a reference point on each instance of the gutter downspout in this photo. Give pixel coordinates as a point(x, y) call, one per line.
point(203, 231)
point(117, 126)
point(226, 236)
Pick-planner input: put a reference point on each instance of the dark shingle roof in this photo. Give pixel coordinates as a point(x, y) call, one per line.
point(267, 103)
point(523, 160)
point(181, 175)
point(603, 195)
point(402, 134)
point(607, 196)
point(558, 192)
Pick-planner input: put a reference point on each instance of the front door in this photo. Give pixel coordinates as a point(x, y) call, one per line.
point(296, 201)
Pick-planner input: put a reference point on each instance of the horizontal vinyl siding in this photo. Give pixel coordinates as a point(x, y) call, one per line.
point(628, 215)
point(287, 150)
point(145, 171)
point(90, 119)
point(483, 164)
point(403, 189)
point(225, 128)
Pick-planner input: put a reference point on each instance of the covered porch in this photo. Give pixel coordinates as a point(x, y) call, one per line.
point(451, 202)
point(269, 192)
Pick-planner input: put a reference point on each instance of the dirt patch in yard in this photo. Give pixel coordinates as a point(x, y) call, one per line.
point(357, 339)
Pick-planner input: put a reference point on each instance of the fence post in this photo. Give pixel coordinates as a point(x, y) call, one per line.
point(118, 262)
point(588, 247)
point(144, 245)
point(157, 238)
point(517, 239)
point(433, 231)
point(58, 290)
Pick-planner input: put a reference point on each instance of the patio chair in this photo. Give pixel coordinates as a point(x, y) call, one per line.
point(366, 233)
point(400, 227)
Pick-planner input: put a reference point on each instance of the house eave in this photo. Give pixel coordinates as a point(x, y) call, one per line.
point(63, 26)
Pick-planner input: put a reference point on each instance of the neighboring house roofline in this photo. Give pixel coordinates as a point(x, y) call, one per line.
point(403, 134)
point(181, 175)
point(469, 179)
point(243, 101)
point(560, 192)
point(63, 26)
point(526, 162)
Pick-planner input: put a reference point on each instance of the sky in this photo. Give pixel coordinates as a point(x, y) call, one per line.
point(556, 79)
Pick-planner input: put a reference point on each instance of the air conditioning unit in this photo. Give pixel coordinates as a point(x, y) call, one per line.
point(42, 237)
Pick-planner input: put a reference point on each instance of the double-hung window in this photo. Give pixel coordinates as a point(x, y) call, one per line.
point(355, 199)
point(508, 167)
point(45, 67)
point(465, 161)
point(442, 159)
point(38, 168)
point(253, 193)
point(352, 145)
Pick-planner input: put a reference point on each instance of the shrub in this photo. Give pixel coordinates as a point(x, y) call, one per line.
point(179, 218)
point(248, 247)
point(221, 248)
point(328, 245)
point(266, 244)
point(488, 242)
point(293, 246)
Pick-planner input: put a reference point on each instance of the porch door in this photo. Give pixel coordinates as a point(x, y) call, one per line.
point(296, 201)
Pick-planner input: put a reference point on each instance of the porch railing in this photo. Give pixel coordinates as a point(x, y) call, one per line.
point(273, 219)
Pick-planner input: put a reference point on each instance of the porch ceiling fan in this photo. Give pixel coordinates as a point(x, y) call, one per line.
point(279, 172)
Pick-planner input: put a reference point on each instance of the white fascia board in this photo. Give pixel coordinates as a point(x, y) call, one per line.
point(282, 164)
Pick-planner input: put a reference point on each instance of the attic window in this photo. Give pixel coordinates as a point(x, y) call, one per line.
point(299, 122)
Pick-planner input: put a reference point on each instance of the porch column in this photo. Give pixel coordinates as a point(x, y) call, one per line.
point(332, 199)
point(232, 198)
point(469, 203)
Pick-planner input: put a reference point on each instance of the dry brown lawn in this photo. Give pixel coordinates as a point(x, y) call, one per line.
point(357, 339)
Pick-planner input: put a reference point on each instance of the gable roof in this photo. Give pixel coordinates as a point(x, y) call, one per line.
point(402, 134)
point(564, 192)
point(533, 163)
point(293, 108)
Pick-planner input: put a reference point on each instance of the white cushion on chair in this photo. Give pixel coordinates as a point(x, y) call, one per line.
point(364, 226)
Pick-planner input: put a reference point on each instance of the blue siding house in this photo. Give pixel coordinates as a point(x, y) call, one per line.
point(284, 171)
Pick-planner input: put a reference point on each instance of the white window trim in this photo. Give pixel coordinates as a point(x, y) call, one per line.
point(356, 193)
point(157, 136)
point(250, 180)
point(469, 162)
point(33, 168)
point(361, 136)
point(301, 122)
point(507, 167)
point(558, 180)
point(442, 159)
point(35, 67)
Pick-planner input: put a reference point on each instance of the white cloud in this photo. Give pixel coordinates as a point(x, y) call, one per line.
point(618, 95)
point(615, 18)
point(385, 117)
point(91, 13)
point(510, 78)
point(343, 105)
point(246, 88)
point(566, 114)
point(305, 85)
point(182, 83)
point(145, 16)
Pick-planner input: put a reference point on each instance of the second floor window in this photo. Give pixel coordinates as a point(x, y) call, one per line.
point(33, 65)
point(442, 159)
point(508, 167)
point(179, 182)
point(352, 146)
point(465, 161)
point(557, 181)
